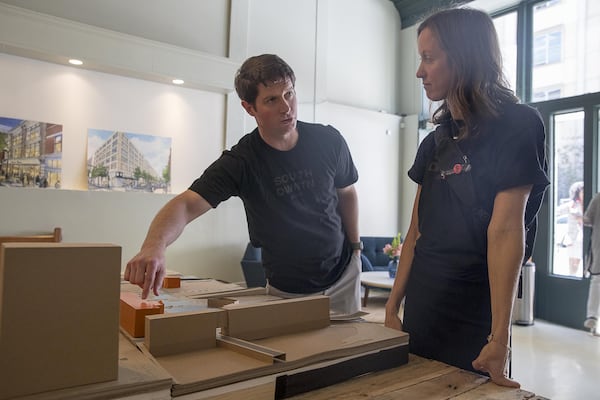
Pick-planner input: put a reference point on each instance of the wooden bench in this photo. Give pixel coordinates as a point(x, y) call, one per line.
point(54, 237)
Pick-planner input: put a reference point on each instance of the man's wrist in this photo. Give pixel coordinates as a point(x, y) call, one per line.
point(357, 245)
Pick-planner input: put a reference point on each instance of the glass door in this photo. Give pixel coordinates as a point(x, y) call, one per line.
point(567, 191)
point(572, 140)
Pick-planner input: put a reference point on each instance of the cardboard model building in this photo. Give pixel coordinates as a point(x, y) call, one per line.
point(59, 316)
point(290, 341)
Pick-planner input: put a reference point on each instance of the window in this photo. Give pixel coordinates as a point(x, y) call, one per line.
point(542, 95)
point(546, 4)
point(506, 26)
point(547, 48)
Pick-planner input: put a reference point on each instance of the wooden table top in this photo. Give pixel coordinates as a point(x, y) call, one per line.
point(420, 379)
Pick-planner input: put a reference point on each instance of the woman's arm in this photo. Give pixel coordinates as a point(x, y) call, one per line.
point(392, 307)
point(506, 247)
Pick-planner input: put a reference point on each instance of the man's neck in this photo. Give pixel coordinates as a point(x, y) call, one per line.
point(281, 142)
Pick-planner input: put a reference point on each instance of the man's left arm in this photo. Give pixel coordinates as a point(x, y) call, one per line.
point(348, 209)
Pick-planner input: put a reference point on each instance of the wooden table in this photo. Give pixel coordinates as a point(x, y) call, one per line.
point(141, 378)
point(375, 279)
point(420, 379)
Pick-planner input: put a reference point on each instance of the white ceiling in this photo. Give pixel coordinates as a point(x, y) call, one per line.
point(201, 25)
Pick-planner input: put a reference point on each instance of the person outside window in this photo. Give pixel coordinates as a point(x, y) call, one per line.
point(591, 218)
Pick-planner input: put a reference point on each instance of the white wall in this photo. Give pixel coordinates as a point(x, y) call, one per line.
point(362, 49)
point(79, 100)
point(374, 140)
point(308, 34)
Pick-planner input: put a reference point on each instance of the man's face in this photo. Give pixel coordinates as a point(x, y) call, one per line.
point(275, 108)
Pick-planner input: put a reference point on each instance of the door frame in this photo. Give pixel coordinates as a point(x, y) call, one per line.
point(560, 299)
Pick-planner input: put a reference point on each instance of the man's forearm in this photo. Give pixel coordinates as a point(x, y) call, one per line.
point(171, 220)
point(348, 209)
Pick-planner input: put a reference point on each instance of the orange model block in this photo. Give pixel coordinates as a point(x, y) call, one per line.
point(171, 282)
point(133, 311)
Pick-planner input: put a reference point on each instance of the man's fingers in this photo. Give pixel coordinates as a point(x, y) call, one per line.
point(160, 276)
point(148, 283)
point(146, 272)
point(127, 272)
point(139, 274)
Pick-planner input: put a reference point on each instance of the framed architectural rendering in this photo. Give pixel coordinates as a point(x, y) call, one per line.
point(122, 161)
point(30, 153)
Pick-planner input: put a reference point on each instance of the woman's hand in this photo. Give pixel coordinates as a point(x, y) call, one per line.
point(391, 318)
point(492, 359)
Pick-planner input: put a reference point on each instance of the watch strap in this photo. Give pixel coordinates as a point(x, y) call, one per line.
point(357, 245)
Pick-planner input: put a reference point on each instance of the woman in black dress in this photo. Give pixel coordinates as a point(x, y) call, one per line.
point(481, 177)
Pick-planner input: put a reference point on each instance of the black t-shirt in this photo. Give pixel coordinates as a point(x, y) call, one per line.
point(507, 152)
point(290, 200)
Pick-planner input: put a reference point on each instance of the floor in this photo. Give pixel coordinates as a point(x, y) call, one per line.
point(550, 360)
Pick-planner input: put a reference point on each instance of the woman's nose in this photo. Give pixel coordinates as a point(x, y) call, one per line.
point(420, 71)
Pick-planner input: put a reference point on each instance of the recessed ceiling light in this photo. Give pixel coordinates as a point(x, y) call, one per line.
point(178, 81)
point(75, 61)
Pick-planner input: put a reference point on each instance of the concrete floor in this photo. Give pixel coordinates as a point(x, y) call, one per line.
point(556, 362)
point(550, 360)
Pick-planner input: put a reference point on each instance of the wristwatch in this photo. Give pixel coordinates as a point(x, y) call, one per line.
point(357, 246)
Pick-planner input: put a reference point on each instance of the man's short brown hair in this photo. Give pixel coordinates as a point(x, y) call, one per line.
point(265, 69)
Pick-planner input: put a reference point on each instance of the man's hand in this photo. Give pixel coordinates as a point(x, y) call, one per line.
point(492, 360)
point(147, 270)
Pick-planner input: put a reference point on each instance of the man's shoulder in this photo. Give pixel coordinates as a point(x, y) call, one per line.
point(310, 127)
point(324, 135)
point(246, 142)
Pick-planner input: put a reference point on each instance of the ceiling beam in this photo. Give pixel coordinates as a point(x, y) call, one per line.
point(412, 11)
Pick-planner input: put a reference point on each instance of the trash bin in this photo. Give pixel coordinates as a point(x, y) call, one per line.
point(523, 307)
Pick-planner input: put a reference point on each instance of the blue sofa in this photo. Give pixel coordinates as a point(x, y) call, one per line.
point(373, 259)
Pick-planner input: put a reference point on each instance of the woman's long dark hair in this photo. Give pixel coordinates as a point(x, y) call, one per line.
point(479, 87)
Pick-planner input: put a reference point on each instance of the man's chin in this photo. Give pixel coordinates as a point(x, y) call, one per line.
point(289, 125)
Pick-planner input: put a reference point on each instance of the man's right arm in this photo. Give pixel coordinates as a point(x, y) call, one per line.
point(147, 269)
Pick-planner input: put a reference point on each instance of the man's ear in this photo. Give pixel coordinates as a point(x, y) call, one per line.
point(248, 107)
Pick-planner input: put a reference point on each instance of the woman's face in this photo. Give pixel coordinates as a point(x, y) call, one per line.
point(433, 69)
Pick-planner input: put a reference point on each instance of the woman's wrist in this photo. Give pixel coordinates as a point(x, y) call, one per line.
point(391, 307)
point(492, 339)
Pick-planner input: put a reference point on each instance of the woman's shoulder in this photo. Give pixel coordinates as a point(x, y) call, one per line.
point(428, 143)
point(518, 113)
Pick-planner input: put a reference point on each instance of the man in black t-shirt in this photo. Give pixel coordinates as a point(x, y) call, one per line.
point(296, 181)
